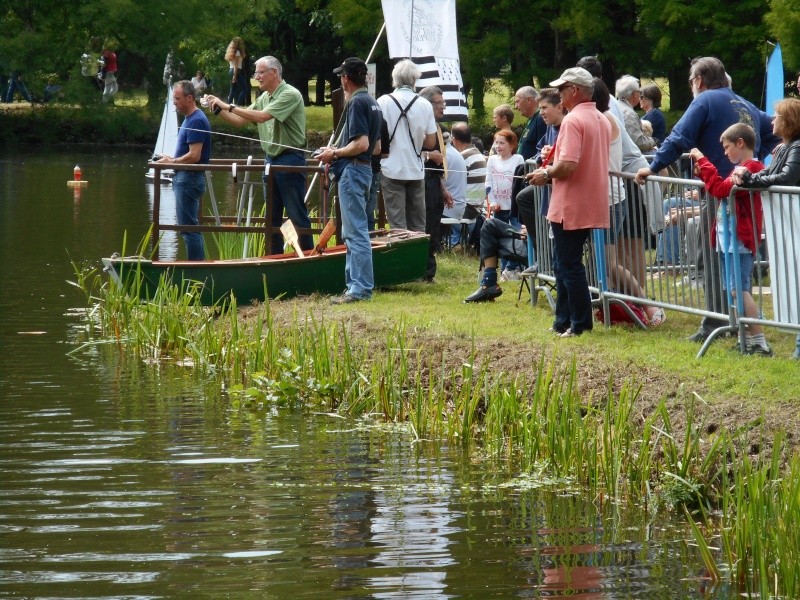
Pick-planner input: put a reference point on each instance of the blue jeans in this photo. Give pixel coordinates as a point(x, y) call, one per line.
point(189, 187)
point(354, 189)
point(288, 192)
point(573, 303)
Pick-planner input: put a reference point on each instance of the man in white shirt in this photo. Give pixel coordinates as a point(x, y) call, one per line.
point(411, 126)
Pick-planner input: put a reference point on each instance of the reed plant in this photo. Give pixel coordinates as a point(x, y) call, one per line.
point(542, 426)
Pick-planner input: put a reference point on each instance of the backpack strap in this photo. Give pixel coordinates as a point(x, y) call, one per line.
point(404, 114)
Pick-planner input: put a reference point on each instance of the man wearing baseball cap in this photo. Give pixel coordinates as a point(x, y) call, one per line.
point(579, 202)
point(351, 163)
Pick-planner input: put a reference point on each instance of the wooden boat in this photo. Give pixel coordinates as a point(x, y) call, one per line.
point(399, 256)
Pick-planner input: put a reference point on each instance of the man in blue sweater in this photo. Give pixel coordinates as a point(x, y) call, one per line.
point(715, 108)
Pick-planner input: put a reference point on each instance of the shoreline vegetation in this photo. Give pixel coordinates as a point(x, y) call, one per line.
point(588, 414)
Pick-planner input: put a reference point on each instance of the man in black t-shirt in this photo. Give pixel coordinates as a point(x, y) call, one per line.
point(351, 164)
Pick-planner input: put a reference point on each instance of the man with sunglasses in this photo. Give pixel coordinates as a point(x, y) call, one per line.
point(579, 200)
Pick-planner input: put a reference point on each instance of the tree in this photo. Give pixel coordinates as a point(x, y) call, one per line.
point(783, 20)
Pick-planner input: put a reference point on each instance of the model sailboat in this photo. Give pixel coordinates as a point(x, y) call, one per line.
point(167, 137)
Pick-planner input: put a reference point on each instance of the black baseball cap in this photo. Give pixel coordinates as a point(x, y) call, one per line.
point(352, 66)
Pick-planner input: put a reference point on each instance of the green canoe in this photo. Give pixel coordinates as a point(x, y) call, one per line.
point(398, 256)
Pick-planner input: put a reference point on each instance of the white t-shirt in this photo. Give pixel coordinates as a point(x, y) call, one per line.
point(403, 161)
point(500, 179)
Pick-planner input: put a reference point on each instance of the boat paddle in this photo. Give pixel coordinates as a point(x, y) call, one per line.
point(325, 235)
point(290, 237)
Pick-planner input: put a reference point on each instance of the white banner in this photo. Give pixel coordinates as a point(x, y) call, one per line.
point(425, 31)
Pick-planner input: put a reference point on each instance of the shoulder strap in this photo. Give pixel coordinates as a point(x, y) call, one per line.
point(404, 114)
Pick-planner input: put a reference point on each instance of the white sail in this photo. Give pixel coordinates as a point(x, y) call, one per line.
point(167, 135)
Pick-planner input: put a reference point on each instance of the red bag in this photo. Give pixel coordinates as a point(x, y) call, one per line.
point(619, 314)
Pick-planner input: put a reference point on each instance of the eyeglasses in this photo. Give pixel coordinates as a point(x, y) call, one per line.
point(265, 71)
point(179, 97)
point(691, 79)
point(439, 103)
point(565, 87)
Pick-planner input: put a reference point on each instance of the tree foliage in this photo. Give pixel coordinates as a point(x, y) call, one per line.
point(516, 41)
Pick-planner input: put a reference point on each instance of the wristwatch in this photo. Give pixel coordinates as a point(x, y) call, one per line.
point(231, 107)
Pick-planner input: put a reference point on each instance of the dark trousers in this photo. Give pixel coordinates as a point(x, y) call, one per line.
point(573, 303)
point(434, 207)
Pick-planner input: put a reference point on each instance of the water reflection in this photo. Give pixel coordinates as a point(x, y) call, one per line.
point(125, 480)
point(168, 244)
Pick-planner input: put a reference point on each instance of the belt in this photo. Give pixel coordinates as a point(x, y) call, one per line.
point(358, 161)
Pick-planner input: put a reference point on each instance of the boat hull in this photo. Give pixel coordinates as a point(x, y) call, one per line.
point(398, 257)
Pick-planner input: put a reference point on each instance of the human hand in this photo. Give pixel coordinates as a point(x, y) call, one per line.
point(642, 174)
point(448, 199)
point(538, 177)
point(696, 154)
point(435, 156)
point(325, 154)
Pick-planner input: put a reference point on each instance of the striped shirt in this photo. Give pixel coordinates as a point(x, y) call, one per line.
point(476, 175)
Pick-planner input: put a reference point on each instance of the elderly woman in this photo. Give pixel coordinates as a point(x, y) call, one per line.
point(651, 105)
point(628, 93)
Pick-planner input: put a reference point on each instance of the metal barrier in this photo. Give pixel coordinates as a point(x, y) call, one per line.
point(662, 256)
point(246, 175)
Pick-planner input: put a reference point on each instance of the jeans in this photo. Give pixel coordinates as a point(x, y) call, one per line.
point(668, 249)
point(354, 189)
point(189, 187)
point(288, 192)
point(574, 302)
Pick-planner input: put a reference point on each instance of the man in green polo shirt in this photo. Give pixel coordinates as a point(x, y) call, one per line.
point(280, 116)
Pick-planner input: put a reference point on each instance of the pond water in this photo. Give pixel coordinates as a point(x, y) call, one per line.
point(126, 480)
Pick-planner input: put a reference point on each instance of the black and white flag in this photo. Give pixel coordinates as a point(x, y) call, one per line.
point(425, 32)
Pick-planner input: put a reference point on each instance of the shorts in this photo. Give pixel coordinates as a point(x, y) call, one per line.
point(636, 215)
point(745, 268)
point(617, 215)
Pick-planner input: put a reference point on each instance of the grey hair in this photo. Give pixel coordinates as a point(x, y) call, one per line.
point(429, 92)
point(586, 90)
point(270, 62)
point(186, 87)
point(625, 86)
point(405, 72)
point(528, 91)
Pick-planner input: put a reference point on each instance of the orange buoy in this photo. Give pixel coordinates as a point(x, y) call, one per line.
point(77, 182)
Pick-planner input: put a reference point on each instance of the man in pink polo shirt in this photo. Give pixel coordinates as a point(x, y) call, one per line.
point(579, 202)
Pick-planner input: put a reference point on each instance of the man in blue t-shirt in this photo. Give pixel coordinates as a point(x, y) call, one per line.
point(193, 147)
point(351, 165)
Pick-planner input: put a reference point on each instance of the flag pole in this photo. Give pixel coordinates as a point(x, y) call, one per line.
point(330, 141)
point(377, 39)
point(411, 33)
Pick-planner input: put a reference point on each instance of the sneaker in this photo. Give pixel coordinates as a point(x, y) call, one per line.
point(484, 294)
point(530, 271)
point(510, 275)
point(759, 350)
point(345, 299)
point(658, 318)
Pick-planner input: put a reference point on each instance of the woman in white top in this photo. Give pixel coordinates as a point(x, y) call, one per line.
point(236, 55)
point(500, 170)
point(619, 277)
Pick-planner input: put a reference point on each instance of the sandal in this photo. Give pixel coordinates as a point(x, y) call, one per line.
point(658, 318)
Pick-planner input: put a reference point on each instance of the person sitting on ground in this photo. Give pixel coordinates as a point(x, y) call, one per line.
point(499, 239)
point(739, 142)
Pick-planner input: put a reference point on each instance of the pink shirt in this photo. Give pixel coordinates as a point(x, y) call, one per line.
point(581, 200)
